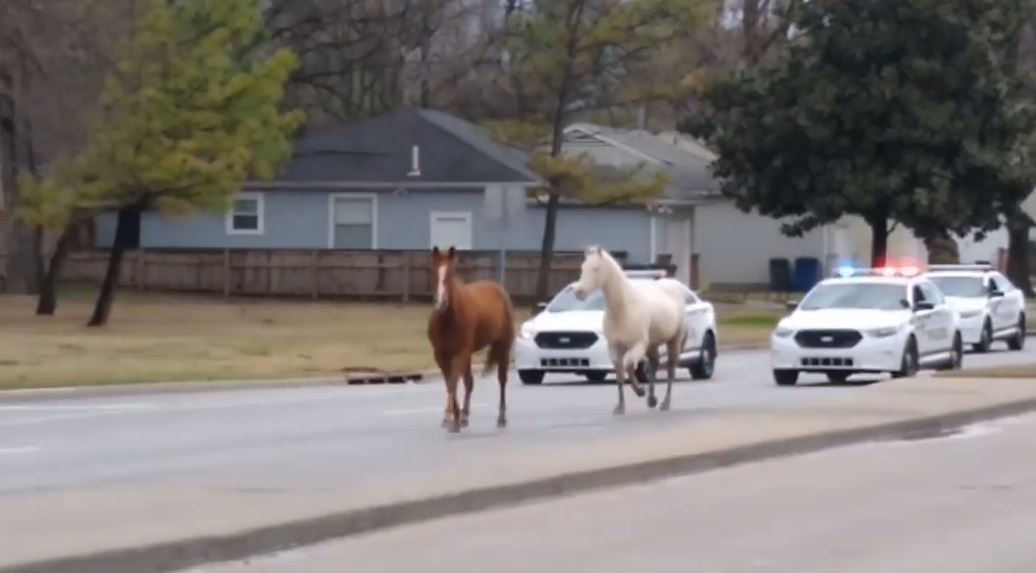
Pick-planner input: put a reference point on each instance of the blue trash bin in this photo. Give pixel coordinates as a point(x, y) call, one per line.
point(807, 273)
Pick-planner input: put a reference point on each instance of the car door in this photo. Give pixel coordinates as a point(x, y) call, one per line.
point(695, 311)
point(939, 328)
point(1006, 306)
point(922, 320)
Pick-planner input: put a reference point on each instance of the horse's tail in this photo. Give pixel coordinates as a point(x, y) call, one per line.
point(499, 354)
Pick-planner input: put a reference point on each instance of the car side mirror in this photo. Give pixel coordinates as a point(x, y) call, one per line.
point(541, 306)
point(791, 305)
point(995, 294)
point(924, 305)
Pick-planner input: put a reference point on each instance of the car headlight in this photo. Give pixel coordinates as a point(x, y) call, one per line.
point(970, 313)
point(783, 332)
point(526, 332)
point(884, 332)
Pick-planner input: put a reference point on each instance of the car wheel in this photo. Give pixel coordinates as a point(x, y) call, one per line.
point(785, 377)
point(706, 364)
point(956, 359)
point(986, 342)
point(1017, 342)
point(837, 377)
point(909, 366)
point(531, 377)
point(596, 376)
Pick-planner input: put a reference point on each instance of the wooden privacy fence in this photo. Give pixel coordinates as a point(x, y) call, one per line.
point(401, 275)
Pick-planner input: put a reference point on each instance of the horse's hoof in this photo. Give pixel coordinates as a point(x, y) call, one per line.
point(453, 428)
point(501, 422)
point(445, 422)
point(652, 401)
point(664, 407)
point(619, 410)
point(638, 391)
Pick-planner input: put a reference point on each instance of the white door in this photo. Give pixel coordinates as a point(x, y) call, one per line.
point(678, 244)
point(451, 229)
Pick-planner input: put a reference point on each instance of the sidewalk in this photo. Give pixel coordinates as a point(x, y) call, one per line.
point(170, 524)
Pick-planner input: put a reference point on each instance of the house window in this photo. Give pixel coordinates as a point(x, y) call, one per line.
point(353, 219)
point(246, 215)
point(450, 228)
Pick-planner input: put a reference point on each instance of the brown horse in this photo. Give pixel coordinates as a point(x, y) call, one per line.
point(466, 319)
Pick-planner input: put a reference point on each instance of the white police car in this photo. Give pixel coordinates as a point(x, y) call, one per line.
point(567, 337)
point(888, 320)
point(990, 307)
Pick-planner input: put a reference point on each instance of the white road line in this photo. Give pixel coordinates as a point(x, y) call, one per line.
point(75, 407)
point(21, 450)
point(410, 411)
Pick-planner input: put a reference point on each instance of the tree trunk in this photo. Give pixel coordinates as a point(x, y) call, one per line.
point(879, 241)
point(126, 221)
point(574, 20)
point(48, 301)
point(1018, 254)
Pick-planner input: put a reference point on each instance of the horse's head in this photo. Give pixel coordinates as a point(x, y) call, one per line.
point(593, 273)
point(443, 265)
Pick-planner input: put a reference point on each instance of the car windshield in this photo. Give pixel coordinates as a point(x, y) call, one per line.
point(959, 286)
point(566, 301)
point(872, 296)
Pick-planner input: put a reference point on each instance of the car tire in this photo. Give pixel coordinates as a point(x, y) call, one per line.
point(531, 377)
point(1017, 342)
point(704, 368)
point(910, 363)
point(956, 359)
point(986, 342)
point(838, 377)
point(596, 377)
point(786, 377)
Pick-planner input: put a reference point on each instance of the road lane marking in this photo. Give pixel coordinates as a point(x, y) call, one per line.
point(19, 450)
point(411, 411)
point(75, 407)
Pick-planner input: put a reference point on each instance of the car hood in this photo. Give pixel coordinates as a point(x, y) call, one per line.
point(860, 319)
point(965, 304)
point(588, 320)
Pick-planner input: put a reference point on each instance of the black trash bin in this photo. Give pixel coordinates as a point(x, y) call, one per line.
point(780, 275)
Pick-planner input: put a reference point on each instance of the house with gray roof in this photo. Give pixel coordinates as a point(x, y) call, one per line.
point(709, 240)
point(406, 180)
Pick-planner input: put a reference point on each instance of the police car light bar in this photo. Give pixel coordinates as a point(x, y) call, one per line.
point(646, 273)
point(904, 271)
point(974, 267)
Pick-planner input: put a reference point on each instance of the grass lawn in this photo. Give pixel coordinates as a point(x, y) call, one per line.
point(1016, 371)
point(155, 338)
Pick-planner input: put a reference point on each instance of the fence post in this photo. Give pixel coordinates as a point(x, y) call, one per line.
point(406, 277)
point(315, 274)
point(141, 269)
point(226, 273)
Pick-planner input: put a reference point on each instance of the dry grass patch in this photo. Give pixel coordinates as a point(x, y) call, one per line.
point(156, 338)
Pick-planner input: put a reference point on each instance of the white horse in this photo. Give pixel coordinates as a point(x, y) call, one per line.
point(637, 319)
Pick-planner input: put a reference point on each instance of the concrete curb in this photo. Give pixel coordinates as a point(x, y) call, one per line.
point(187, 553)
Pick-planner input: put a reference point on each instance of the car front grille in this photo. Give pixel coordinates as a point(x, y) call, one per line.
point(566, 340)
point(828, 338)
point(564, 362)
point(828, 361)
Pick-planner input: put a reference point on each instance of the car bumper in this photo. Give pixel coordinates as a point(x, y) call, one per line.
point(529, 356)
point(971, 329)
point(869, 355)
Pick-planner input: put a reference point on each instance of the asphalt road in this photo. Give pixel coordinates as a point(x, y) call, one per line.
point(959, 504)
point(311, 437)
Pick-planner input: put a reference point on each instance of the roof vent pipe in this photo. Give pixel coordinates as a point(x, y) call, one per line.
point(415, 162)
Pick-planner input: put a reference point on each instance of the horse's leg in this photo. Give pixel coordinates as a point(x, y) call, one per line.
point(650, 366)
point(620, 378)
point(458, 365)
point(469, 387)
point(444, 367)
point(632, 358)
point(673, 349)
point(503, 358)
